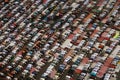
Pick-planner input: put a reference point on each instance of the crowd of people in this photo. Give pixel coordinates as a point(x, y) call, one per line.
point(59, 39)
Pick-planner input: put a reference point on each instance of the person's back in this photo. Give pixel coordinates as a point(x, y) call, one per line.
point(6, 1)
